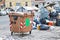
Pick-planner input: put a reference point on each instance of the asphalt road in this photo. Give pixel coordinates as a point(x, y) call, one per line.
point(35, 35)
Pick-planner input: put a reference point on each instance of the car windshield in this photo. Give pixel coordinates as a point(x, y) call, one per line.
point(9, 9)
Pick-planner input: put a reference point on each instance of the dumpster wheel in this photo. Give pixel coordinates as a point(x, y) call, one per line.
point(30, 32)
point(11, 33)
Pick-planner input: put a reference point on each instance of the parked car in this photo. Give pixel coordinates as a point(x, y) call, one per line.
point(8, 10)
point(2, 13)
point(20, 9)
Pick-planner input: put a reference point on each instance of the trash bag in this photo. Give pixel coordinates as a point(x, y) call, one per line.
point(53, 15)
point(43, 21)
point(37, 22)
point(51, 28)
point(44, 27)
point(34, 25)
point(58, 22)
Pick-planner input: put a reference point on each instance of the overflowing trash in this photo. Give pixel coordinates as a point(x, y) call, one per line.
point(34, 25)
point(44, 27)
point(38, 26)
point(49, 18)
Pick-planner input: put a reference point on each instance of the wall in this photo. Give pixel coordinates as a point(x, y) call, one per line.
point(2, 2)
point(22, 2)
point(52, 0)
point(37, 2)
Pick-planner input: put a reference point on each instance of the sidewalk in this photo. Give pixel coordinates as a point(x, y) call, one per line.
point(35, 35)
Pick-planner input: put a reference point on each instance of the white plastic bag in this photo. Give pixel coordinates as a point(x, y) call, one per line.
point(52, 28)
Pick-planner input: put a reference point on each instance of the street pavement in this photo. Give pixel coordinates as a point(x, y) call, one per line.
point(35, 35)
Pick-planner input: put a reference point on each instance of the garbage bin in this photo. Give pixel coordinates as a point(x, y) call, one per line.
point(21, 22)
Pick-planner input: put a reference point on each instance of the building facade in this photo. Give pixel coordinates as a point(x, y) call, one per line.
point(38, 3)
point(2, 3)
point(9, 3)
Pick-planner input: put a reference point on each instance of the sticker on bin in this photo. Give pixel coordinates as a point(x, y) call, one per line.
point(22, 26)
point(27, 22)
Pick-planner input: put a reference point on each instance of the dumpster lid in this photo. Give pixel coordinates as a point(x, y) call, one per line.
point(18, 13)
